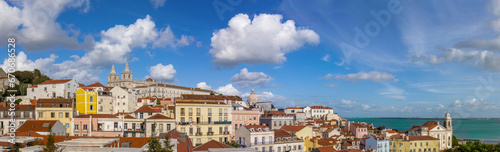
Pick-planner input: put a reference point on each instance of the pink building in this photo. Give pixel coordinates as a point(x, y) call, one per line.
point(357, 129)
point(98, 125)
point(244, 116)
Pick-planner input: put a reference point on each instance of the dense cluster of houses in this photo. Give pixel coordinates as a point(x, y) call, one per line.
point(124, 115)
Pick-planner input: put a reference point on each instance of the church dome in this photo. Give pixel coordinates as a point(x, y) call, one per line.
point(252, 98)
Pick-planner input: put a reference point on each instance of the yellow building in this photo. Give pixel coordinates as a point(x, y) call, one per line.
point(399, 143)
point(86, 101)
point(56, 109)
point(204, 118)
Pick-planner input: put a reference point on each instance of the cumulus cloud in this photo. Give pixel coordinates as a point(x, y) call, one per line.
point(163, 72)
point(64, 70)
point(33, 24)
point(374, 76)
point(228, 90)
point(157, 3)
point(246, 79)
point(114, 47)
point(265, 39)
point(484, 59)
point(203, 85)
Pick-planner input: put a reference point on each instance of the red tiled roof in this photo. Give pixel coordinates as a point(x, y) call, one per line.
point(96, 116)
point(292, 128)
point(159, 116)
point(320, 107)
point(97, 84)
point(200, 102)
point(56, 81)
point(256, 127)
point(19, 107)
point(211, 144)
point(326, 149)
point(184, 144)
point(430, 124)
point(282, 133)
point(149, 79)
point(274, 113)
point(36, 125)
point(145, 108)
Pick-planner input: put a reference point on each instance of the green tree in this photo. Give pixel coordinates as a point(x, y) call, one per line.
point(158, 102)
point(212, 93)
point(235, 144)
point(238, 97)
point(454, 141)
point(168, 146)
point(50, 146)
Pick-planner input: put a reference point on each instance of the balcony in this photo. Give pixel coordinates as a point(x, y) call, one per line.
point(199, 134)
point(222, 122)
point(225, 114)
point(220, 114)
point(226, 132)
point(210, 133)
point(198, 114)
point(209, 114)
point(190, 114)
point(182, 114)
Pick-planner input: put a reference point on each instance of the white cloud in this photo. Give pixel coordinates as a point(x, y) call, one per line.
point(486, 44)
point(393, 92)
point(203, 85)
point(33, 24)
point(162, 72)
point(484, 59)
point(265, 39)
point(47, 66)
point(114, 47)
point(353, 105)
point(246, 79)
point(371, 76)
point(327, 76)
point(326, 58)
point(228, 90)
point(157, 3)
point(277, 100)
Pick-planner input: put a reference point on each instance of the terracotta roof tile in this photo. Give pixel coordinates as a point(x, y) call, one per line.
point(56, 81)
point(145, 108)
point(19, 107)
point(159, 116)
point(209, 97)
point(211, 144)
point(292, 128)
point(36, 125)
point(97, 84)
point(325, 149)
point(282, 133)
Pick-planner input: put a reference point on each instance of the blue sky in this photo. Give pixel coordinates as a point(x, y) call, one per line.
point(363, 58)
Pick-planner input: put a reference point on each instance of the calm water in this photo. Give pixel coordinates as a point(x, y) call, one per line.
point(486, 129)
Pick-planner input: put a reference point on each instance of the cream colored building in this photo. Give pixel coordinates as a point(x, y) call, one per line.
point(204, 117)
point(259, 137)
point(432, 128)
point(150, 87)
point(56, 109)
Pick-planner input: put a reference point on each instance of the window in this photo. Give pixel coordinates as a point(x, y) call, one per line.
point(168, 127)
point(53, 105)
point(40, 105)
point(91, 98)
point(67, 105)
point(116, 125)
point(141, 115)
point(125, 126)
point(161, 127)
point(198, 111)
point(40, 114)
point(61, 115)
point(91, 107)
point(52, 115)
point(100, 108)
point(76, 127)
point(60, 105)
point(67, 125)
point(84, 127)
